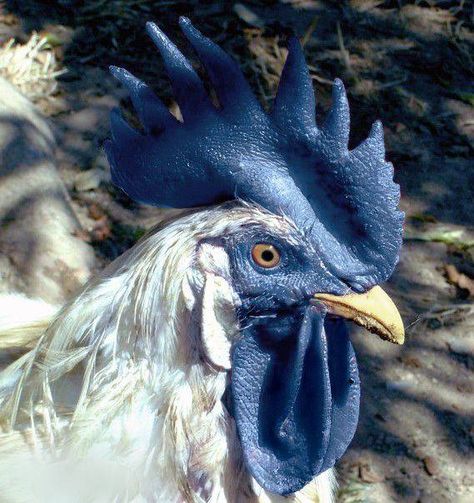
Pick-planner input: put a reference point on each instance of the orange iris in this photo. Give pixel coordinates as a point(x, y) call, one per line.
point(265, 255)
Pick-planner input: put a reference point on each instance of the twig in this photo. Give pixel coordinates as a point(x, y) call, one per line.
point(316, 77)
point(441, 313)
point(309, 31)
point(344, 52)
point(393, 83)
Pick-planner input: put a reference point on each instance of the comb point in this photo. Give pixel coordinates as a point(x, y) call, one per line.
point(154, 32)
point(230, 85)
point(184, 21)
point(295, 104)
point(337, 124)
point(187, 86)
point(376, 131)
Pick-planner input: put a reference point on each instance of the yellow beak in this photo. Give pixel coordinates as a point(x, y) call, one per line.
point(373, 310)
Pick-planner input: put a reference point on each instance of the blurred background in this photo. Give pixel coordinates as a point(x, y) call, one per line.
point(407, 62)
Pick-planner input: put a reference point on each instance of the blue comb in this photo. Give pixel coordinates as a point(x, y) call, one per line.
point(345, 201)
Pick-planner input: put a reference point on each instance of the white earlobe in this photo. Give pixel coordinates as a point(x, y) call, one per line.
point(219, 324)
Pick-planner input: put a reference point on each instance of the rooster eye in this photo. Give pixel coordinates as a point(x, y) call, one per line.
point(265, 255)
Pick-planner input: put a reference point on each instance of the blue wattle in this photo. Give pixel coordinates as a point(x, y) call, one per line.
point(295, 397)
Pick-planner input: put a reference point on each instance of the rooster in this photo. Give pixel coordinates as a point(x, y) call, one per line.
point(211, 362)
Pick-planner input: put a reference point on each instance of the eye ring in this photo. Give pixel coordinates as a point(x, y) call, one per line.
point(265, 255)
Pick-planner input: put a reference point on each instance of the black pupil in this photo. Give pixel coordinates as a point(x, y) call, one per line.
point(267, 256)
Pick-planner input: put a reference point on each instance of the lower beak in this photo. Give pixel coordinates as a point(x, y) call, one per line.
point(373, 310)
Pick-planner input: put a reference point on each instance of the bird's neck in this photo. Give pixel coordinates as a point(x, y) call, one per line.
point(119, 377)
point(118, 383)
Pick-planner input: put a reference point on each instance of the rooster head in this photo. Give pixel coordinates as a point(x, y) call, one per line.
point(331, 234)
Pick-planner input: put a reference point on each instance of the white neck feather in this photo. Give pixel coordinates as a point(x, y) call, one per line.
point(119, 381)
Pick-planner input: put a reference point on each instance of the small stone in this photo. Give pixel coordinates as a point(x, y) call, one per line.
point(401, 386)
point(430, 465)
point(380, 417)
point(463, 346)
point(90, 179)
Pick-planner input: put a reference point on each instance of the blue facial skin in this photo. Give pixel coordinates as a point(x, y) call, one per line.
point(298, 276)
point(294, 388)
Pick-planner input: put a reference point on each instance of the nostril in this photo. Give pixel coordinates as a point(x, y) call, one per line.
point(318, 306)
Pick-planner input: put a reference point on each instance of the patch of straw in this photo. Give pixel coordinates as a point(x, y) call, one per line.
point(354, 491)
point(31, 67)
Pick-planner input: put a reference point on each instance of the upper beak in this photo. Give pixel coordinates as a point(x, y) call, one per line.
point(373, 310)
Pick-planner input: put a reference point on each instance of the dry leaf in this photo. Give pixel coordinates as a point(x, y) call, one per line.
point(367, 474)
point(248, 15)
point(411, 361)
point(459, 279)
point(102, 229)
point(95, 212)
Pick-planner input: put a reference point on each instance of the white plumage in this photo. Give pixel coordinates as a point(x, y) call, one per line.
point(120, 399)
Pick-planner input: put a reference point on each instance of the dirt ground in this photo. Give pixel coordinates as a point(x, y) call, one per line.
point(409, 63)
